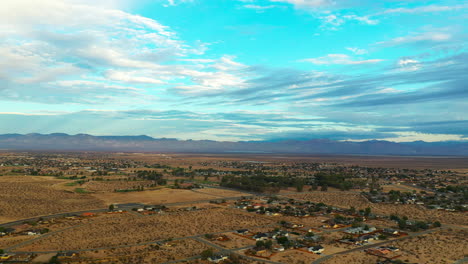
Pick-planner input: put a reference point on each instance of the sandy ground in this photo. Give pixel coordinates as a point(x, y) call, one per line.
point(221, 193)
point(128, 229)
point(28, 196)
point(9, 241)
point(170, 251)
point(294, 257)
point(436, 248)
point(111, 186)
point(354, 257)
point(235, 241)
point(160, 196)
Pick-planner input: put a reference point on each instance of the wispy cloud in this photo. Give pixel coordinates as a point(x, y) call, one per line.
point(425, 9)
point(341, 59)
point(421, 38)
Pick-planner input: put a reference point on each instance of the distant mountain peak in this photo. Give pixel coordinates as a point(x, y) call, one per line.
point(85, 142)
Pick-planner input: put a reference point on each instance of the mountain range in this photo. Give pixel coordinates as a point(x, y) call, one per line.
point(85, 142)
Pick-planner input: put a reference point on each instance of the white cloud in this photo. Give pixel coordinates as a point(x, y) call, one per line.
point(306, 3)
point(425, 9)
point(340, 59)
point(78, 44)
point(334, 21)
point(409, 65)
point(357, 51)
point(363, 19)
point(259, 7)
point(415, 38)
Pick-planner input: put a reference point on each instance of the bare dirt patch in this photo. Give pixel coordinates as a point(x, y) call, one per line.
point(161, 196)
point(170, 251)
point(24, 197)
point(353, 257)
point(111, 186)
point(127, 229)
point(439, 247)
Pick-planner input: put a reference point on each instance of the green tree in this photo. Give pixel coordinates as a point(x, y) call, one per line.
point(269, 244)
point(260, 244)
point(207, 253)
point(111, 207)
point(282, 240)
point(367, 211)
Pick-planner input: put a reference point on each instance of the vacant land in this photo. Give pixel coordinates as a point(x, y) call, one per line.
point(128, 229)
point(169, 251)
point(111, 186)
point(294, 257)
point(160, 196)
point(28, 196)
point(437, 248)
point(354, 257)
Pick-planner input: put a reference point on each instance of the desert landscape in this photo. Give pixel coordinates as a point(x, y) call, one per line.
point(152, 208)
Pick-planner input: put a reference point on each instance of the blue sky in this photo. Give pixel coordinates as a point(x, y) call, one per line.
point(236, 69)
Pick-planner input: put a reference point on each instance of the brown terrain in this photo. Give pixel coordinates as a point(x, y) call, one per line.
point(205, 216)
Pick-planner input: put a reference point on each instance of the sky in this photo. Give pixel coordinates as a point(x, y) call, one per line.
point(236, 70)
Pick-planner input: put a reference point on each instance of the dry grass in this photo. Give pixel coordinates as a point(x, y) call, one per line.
point(354, 257)
point(294, 257)
point(439, 247)
point(127, 229)
point(160, 196)
point(176, 250)
point(24, 197)
point(9, 241)
point(235, 241)
point(221, 193)
point(111, 186)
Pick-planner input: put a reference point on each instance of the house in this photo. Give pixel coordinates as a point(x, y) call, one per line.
point(360, 230)
point(391, 231)
point(260, 236)
point(316, 249)
point(217, 258)
point(278, 248)
point(242, 231)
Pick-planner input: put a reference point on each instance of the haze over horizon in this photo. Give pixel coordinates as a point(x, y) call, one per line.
point(236, 70)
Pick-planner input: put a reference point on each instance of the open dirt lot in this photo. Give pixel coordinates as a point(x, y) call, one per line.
point(160, 196)
point(354, 257)
point(28, 196)
point(235, 241)
point(170, 251)
point(294, 257)
point(221, 192)
point(437, 248)
point(128, 229)
point(9, 241)
point(111, 186)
